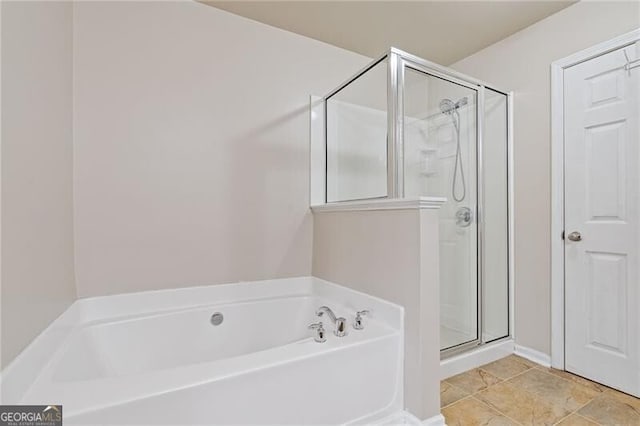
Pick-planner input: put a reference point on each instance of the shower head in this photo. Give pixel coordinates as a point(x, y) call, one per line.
point(447, 106)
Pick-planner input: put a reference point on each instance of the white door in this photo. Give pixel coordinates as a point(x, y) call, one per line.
point(602, 209)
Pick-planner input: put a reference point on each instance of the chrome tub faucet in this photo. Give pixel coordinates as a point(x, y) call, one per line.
point(340, 323)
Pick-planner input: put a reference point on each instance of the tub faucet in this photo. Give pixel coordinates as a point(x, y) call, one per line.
point(340, 323)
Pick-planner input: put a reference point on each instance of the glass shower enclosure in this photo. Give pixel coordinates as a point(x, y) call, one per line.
point(404, 127)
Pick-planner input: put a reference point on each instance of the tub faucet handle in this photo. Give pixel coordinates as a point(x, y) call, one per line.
point(358, 323)
point(320, 335)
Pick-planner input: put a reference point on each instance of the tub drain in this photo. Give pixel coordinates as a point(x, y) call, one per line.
point(217, 318)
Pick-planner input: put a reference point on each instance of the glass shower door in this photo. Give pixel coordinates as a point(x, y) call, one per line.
point(440, 159)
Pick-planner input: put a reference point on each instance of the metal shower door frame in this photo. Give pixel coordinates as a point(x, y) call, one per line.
point(398, 62)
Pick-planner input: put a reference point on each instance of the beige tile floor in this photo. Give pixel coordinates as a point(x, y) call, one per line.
point(515, 391)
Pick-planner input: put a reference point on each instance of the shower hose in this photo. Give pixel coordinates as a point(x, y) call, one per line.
point(458, 162)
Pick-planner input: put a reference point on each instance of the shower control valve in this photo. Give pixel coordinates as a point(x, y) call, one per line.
point(358, 323)
point(464, 217)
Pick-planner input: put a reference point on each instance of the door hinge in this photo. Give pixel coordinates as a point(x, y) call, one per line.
point(562, 236)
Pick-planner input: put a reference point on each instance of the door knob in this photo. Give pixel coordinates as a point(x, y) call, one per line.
point(575, 236)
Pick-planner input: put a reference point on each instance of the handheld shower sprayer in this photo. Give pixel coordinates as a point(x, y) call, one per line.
point(448, 107)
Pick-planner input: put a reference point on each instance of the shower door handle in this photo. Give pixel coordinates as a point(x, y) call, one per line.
point(575, 236)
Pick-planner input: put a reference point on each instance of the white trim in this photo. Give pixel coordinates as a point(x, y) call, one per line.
point(533, 355)
point(437, 420)
point(382, 204)
point(1, 387)
point(599, 49)
point(510, 216)
point(317, 158)
point(557, 183)
point(557, 216)
point(475, 358)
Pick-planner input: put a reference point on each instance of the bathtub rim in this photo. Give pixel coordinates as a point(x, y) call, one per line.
point(17, 378)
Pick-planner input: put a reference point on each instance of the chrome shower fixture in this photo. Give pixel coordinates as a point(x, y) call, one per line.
point(450, 108)
point(447, 106)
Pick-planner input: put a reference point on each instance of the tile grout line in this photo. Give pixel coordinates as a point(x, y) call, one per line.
point(578, 414)
point(587, 418)
point(508, 378)
point(600, 390)
point(573, 382)
point(490, 406)
point(457, 400)
point(520, 374)
point(496, 410)
point(543, 369)
point(473, 395)
point(584, 405)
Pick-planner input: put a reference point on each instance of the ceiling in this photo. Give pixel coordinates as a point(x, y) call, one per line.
point(441, 31)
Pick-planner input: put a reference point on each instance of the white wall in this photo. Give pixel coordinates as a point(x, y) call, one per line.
point(357, 138)
point(521, 63)
point(191, 145)
point(397, 262)
point(356, 152)
point(37, 154)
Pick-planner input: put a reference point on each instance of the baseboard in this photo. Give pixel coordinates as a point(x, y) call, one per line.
point(475, 358)
point(533, 355)
point(437, 420)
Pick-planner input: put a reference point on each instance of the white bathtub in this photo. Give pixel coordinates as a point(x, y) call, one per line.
point(155, 358)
